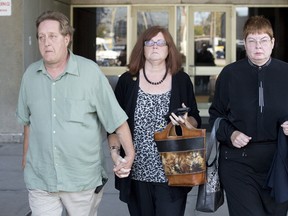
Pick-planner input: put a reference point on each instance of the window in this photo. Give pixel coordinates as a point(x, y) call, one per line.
point(102, 34)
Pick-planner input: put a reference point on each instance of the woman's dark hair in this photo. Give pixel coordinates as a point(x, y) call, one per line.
point(137, 58)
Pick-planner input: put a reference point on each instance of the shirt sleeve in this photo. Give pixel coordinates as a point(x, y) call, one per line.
point(22, 111)
point(109, 111)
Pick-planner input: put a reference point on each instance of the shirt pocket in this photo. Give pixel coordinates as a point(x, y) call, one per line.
point(78, 110)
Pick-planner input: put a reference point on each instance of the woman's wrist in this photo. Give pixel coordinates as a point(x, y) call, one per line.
point(114, 148)
point(192, 121)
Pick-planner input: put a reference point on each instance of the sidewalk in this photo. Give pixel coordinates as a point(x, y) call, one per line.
point(13, 193)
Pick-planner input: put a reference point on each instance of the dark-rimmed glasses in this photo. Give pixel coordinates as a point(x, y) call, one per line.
point(151, 43)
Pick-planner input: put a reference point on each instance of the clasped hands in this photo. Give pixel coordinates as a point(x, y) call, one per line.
point(122, 166)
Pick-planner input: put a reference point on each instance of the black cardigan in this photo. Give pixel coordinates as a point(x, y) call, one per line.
point(126, 92)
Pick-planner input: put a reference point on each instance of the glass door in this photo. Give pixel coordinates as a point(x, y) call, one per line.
point(144, 17)
point(210, 42)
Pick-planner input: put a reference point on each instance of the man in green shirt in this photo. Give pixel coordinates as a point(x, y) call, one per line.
point(66, 105)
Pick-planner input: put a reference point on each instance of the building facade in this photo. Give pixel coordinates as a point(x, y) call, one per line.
point(106, 31)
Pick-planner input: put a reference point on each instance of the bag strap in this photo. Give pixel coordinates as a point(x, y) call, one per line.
point(213, 142)
point(169, 132)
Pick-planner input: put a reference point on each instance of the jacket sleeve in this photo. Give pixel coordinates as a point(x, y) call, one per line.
point(120, 90)
point(183, 92)
point(220, 108)
point(194, 112)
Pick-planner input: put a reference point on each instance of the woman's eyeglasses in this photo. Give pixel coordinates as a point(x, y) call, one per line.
point(159, 43)
point(263, 42)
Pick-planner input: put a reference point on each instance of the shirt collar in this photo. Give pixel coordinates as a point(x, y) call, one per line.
point(71, 67)
point(264, 65)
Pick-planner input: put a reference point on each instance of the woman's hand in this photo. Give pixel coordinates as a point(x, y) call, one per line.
point(122, 166)
point(239, 139)
point(189, 121)
point(285, 128)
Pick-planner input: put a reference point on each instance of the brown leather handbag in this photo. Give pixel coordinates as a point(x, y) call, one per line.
point(183, 156)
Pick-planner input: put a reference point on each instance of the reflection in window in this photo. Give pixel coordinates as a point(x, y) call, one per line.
point(146, 19)
point(111, 34)
point(241, 17)
point(209, 43)
point(210, 37)
point(205, 88)
point(181, 27)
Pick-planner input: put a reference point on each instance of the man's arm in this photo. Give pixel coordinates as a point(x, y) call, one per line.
point(122, 166)
point(25, 145)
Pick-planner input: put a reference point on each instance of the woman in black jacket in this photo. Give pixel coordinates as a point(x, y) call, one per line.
point(154, 86)
point(247, 96)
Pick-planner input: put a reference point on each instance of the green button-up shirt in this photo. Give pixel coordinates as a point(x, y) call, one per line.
point(67, 118)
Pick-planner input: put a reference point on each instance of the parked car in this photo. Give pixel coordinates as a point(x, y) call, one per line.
point(104, 55)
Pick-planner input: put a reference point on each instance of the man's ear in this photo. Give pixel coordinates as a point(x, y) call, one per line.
point(67, 39)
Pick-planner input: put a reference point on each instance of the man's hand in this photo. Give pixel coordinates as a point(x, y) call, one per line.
point(122, 166)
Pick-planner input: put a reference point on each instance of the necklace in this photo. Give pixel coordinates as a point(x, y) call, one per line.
point(155, 83)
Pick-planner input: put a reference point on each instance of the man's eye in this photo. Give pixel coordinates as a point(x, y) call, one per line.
point(52, 37)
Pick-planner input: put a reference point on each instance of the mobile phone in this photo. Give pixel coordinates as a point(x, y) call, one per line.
point(99, 188)
point(179, 111)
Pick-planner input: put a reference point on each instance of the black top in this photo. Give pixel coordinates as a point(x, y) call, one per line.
point(252, 99)
point(126, 93)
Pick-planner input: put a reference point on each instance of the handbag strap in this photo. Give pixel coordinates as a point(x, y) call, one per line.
point(213, 142)
point(170, 133)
